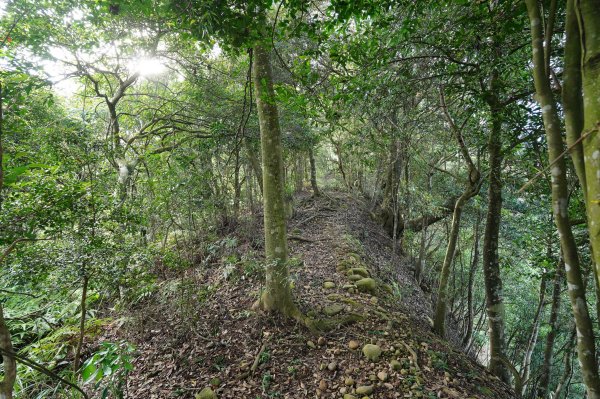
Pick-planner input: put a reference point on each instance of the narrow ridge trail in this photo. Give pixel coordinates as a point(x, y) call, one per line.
point(340, 265)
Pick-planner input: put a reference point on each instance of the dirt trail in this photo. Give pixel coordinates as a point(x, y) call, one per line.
point(217, 341)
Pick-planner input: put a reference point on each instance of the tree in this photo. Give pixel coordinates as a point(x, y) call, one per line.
point(277, 294)
point(560, 202)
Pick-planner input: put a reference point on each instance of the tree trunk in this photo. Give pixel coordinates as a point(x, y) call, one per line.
point(568, 367)
point(574, 115)
point(237, 184)
point(440, 308)
point(471, 283)
point(254, 162)
point(299, 173)
point(277, 295)
point(313, 172)
point(81, 325)
point(588, 14)
point(338, 153)
point(532, 341)
point(560, 204)
point(10, 365)
point(491, 266)
point(542, 388)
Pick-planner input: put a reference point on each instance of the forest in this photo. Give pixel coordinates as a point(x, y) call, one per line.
point(299, 199)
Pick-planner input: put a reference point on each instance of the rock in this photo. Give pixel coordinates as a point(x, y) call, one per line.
point(323, 385)
point(359, 271)
point(382, 375)
point(355, 277)
point(395, 365)
point(352, 257)
point(349, 381)
point(349, 396)
point(328, 284)
point(373, 300)
point(365, 390)
point(332, 310)
point(206, 393)
point(372, 352)
point(311, 345)
point(366, 285)
point(372, 377)
point(353, 344)
point(332, 366)
point(321, 341)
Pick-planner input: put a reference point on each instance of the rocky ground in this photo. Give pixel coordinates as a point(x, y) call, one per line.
point(205, 342)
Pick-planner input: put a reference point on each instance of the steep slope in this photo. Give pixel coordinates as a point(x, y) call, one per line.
point(340, 266)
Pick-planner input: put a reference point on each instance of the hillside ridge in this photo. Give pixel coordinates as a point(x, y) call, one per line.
point(340, 265)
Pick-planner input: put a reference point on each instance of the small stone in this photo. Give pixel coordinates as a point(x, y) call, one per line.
point(206, 393)
point(343, 390)
point(372, 352)
point(332, 366)
point(353, 344)
point(372, 377)
point(359, 271)
point(349, 287)
point(349, 381)
point(373, 300)
point(321, 341)
point(366, 285)
point(395, 365)
point(382, 375)
point(311, 345)
point(332, 310)
point(323, 385)
point(328, 284)
point(349, 396)
point(365, 390)
point(388, 385)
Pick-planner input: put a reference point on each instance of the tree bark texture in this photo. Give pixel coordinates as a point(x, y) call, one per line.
point(277, 295)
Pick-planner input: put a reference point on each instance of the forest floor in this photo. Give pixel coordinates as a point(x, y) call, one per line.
point(209, 336)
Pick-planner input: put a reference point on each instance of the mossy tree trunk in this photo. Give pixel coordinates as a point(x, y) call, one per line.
point(588, 15)
point(277, 295)
point(560, 203)
point(439, 322)
point(491, 264)
point(471, 190)
point(473, 269)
